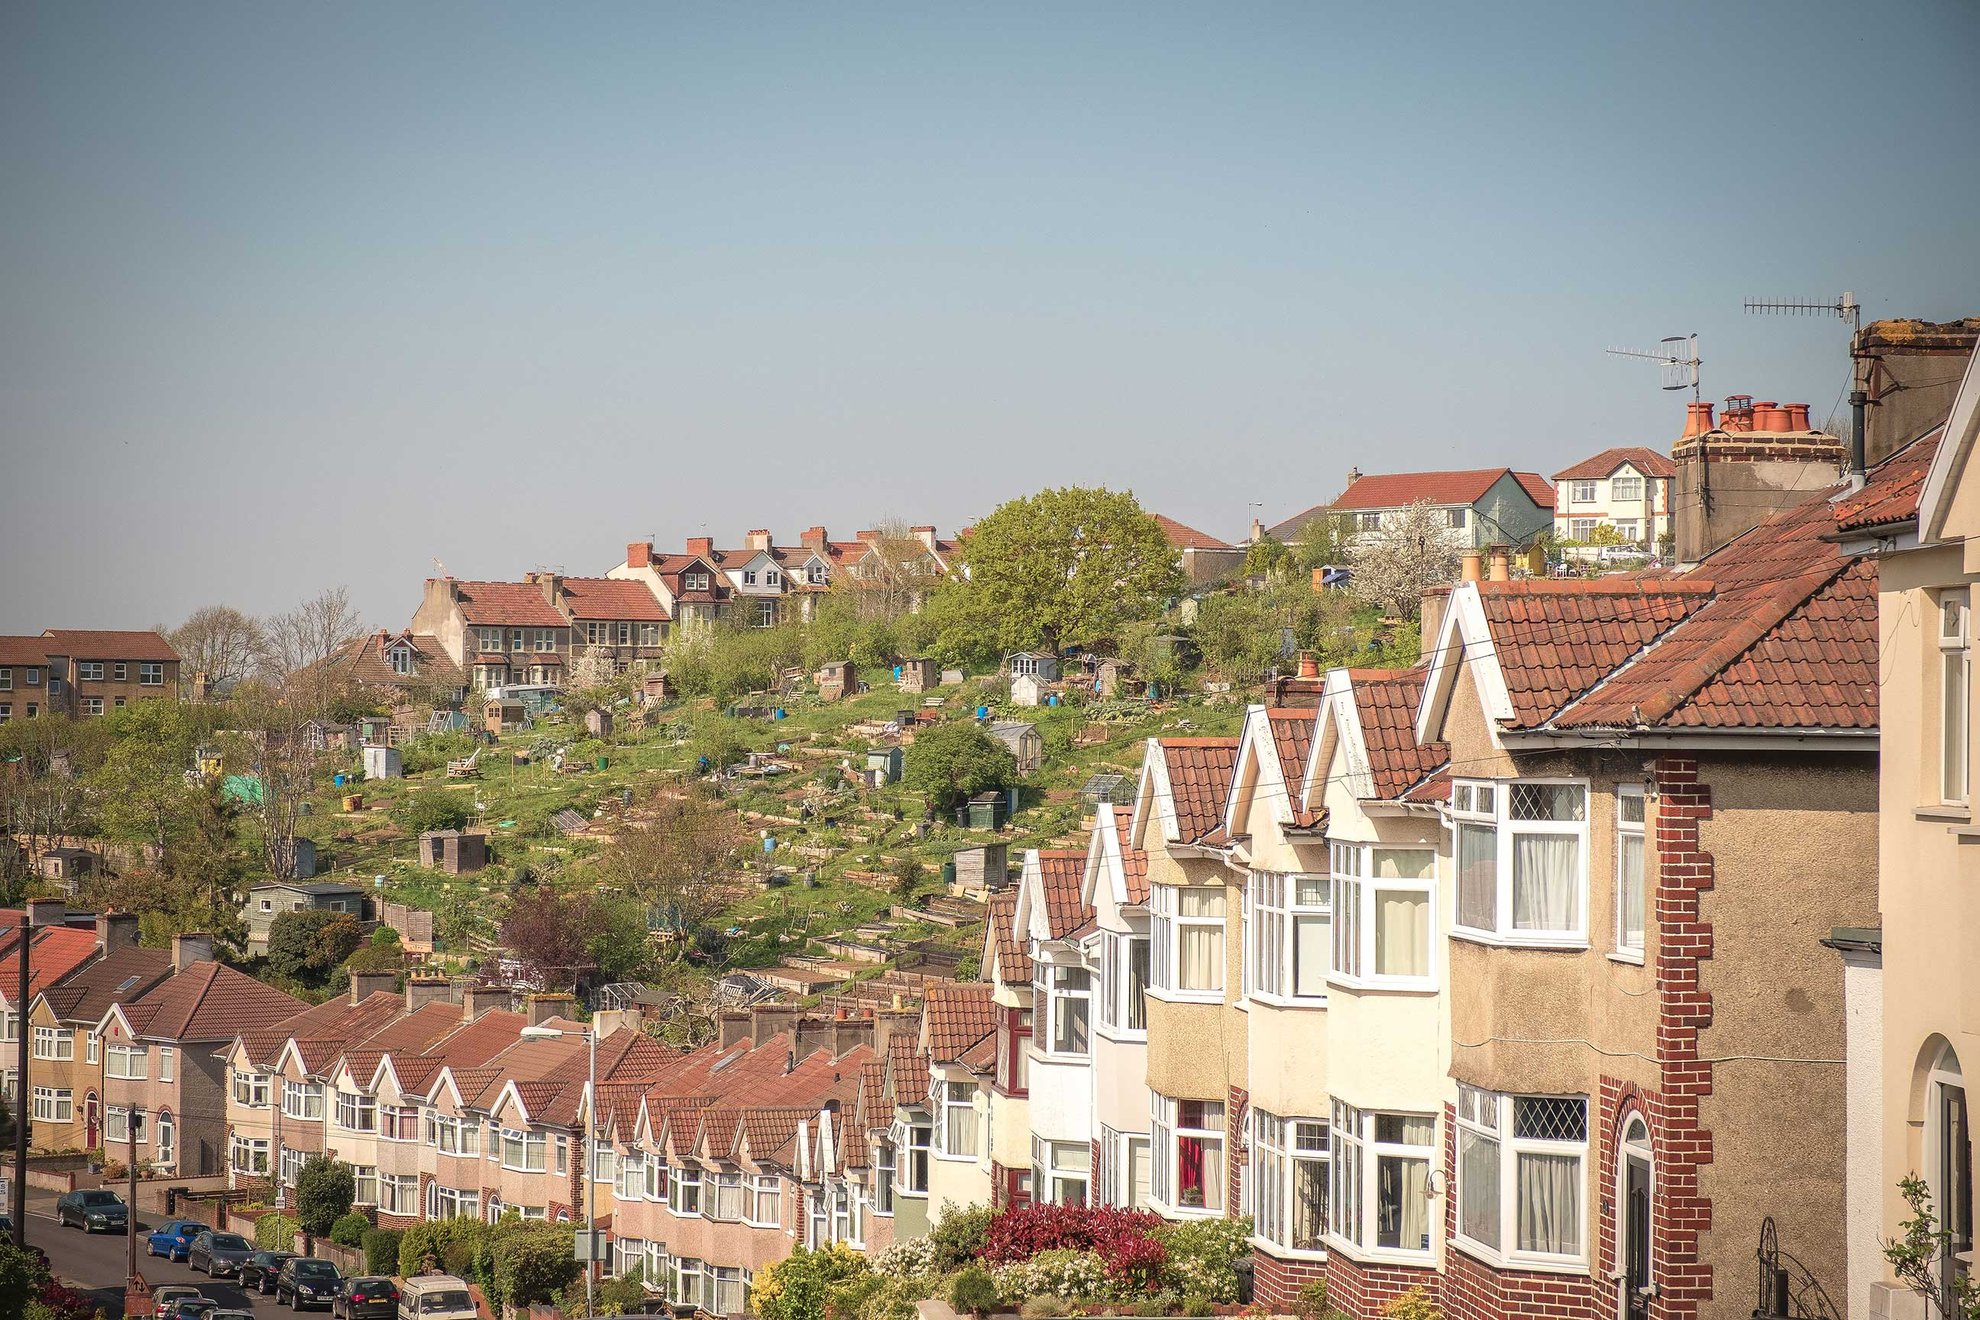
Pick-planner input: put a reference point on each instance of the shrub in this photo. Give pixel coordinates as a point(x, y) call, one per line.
point(1311, 1303)
point(529, 1261)
point(1203, 1255)
point(1166, 1301)
point(972, 1292)
point(1022, 1233)
point(1197, 1304)
point(324, 1191)
point(433, 810)
point(911, 1259)
point(1058, 1273)
point(276, 1233)
point(381, 1250)
point(1037, 1308)
point(349, 1230)
point(454, 1245)
point(627, 1293)
point(960, 1236)
point(796, 1287)
point(1412, 1305)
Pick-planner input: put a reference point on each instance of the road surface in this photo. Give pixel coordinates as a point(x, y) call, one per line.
point(96, 1262)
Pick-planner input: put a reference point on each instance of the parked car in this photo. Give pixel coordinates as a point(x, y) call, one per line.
point(259, 1270)
point(93, 1211)
point(306, 1281)
point(174, 1240)
point(167, 1293)
point(230, 1315)
point(436, 1297)
point(188, 1308)
point(366, 1297)
point(219, 1254)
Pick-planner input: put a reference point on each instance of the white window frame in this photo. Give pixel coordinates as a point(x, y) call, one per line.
point(1065, 991)
point(250, 1089)
point(1278, 905)
point(545, 639)
point(1581, 492)
point(356, 1113)
point(761, 1190)
point(915, 1139)
point(524, 1151)
point(1581, 529)
point(395, 1120)
point(165, 1140)
point(1469, 810)
point(128, 1063)
point(57, 1044)
point(89, 671)
point(302, 1100)
point(151, 673)
point(1625, 490)
point(884, 1158)
point(250, 1155)
point(1166, 923)
point(684, 1191)
point(168, 1059)
point(398, 1194)
point(1166, 1133)
point(1061, 1171)
point(1955, 699)
point(1123, 1011)
point(116, 1125)
point(1631, 801)
point(1279, 1146)
point(956, 1101)
point(50, 1104)
point(1354, 1199)
point(292, 1164)
point(724, 1192)
point(1356, 889)
point(1487, 1121)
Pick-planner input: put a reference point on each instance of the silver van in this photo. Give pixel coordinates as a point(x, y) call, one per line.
point(436, 1297)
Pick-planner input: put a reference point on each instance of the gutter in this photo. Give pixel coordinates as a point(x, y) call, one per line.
point(1848, 740)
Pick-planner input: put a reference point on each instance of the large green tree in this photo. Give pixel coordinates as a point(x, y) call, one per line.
point(309, 945)
point(1064, 567)
point(325, 1188)
point(953, 762)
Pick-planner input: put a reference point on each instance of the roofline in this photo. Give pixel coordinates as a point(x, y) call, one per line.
point(1770, 739)
point(1962, 426)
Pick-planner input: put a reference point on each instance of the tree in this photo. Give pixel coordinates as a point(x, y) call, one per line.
point(1263, 556)
point(309, 945)
point(551, 935)
point(269, 741)
point(297, 645)
point(1323, 540)
point(678, 859)
point(908, 873)
point(1918, 1256)
point(325, 1188)
point(531, 1262)
point(1413, 550)
point(953, 762)
point(220, 642)
point(895, 574)
point(1063, 567)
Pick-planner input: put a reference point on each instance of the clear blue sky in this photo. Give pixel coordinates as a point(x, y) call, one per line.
point(299, 295)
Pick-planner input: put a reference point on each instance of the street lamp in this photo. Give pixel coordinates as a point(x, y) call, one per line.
point(590, 1158)
point(39, 914)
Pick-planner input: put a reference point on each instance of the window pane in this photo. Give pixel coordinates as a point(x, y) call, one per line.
point(1200, 901)
point(1478, 876)
point(1546, 890)
point(1478, 1187)
point(1402, 932)
point(1403, 863)
point(1629, 889)
point(1309, 955)
point(1402, 1209)
point(1953, 737)
point(1201, 957)
point(1547, 802)
point(1137, 1008)
point(1309, 1204)
point(1550, 1204)
point(1550, 1118)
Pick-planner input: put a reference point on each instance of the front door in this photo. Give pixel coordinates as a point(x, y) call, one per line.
point(1636, 1238)
point(1956, 1180)
point(89, 1122)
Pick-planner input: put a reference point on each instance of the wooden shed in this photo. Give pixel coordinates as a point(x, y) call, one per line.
point(456, 852)
point(501, 716)
point(837, 680)
point(983, 871)
point(1036, 664)
point(886, 761)
point(381, 762)
point(920, 675)
point(1028, 690)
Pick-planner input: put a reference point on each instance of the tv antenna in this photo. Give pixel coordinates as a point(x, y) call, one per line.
point(1677, 354)
point(1843, 308)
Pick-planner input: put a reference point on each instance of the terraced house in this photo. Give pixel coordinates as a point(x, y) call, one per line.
point(65, 1079)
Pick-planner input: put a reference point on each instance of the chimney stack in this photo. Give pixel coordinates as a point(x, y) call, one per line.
point(814, 538)
point(1309, 667)
point(1798, 417)
point(701, 545)
point(925, 535)
point(1501, 570)
point(1768, 416)
point(116, 930)
point(639, 554)
point(539, 1009)
point(758, 538)
point(1761, 459)
point(1738, 415)
point(479, 999)
point(1430, 617)
point(424, 990)
point(189, 949)
point(366, 984)
point(1257, 531)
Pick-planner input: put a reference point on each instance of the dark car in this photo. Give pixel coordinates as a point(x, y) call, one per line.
point(306, 1281)
point(366, 1297)
point(174, 1240)
point(259, 1270)
point(93, 1211)
point(219, 1254)
point(188, 1308)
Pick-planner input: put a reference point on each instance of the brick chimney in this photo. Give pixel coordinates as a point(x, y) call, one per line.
point(732, 1025)
point(925, 535)
point(767, 1020)
point(701, 545)
point(424, 990)
point(541, 1008)
point(1431, 613)
point(1257, 532)
point(870, 536)
point(116, 930)
point(758, 538)
point(1761, 459)
point(1354, 475)
point(639, 554)
point(55, 912)
point(550, 583)
point(479, 999)
point(366, 984)
point(814, 538)
point(189, 949)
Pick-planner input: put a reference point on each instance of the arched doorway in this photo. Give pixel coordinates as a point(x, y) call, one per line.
point(92, 1122)
point(1635, 1196)
point(1949, 1161)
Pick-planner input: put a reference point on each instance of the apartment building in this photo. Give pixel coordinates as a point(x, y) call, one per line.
point(1915, 986)
point(1625, 490)
point(92, 672)
point(497, 633)
point(164, 1057)
point(23, 677)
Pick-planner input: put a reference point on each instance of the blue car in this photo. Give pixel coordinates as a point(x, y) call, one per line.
point(174, 1241)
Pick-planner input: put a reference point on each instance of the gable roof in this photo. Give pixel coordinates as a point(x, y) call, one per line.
point(119, 978)
point(366, 659)
point(958, 1017)
point(207, 1001)
point(1055, 893)
point(1394, 490)
point(613, 598)
point(30, 652)
point(57, 951)
point(1385, 702)
point(101, 644)
point(1013, 953)
point(508, 604)
point(1647, 461)
point(1199, 775)
point(1184, 537)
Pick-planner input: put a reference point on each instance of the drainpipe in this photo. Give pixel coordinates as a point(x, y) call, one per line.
point(1857, 401)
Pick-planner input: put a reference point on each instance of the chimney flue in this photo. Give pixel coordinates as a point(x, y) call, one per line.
point(1697, 419)
point(1501, 564)
point(1473, 569)
point(1797, 417)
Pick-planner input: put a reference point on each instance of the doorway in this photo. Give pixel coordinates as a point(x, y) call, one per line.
point(1635, 1198)
point(1952, 1167)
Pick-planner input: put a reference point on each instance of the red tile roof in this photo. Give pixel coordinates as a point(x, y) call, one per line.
point(1893, 497)
point(907, 1068)
point(1184, 537)
point(208, 1001)
point(1557, 638)
point(58, 950)
point(1292, 738)
point(508, 604)
point(958, 1016)
point(86, 644)
point(1060, 871)
point(25, 651)
point(613, 598)
point(1393, 490)
point(1013, 955)
point(1134, 861)
point(117, 979)
point(1647, 461)
point(365, 659)
point(1385, 700)
point(1199, 771)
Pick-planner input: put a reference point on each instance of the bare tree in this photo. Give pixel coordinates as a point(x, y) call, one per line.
point(269, 742)
point(680, 862)
point(299, 643)
point(220, 642)
point(896, 574)
point(1414, 549)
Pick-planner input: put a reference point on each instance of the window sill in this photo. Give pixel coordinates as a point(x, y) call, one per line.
point(1382, 1255)
point(1398, 986)
point(1215, 997)
point(1274, 1249)
point(1287, 1001)
point(1517, 1264)
point(955, 1159)
point(1538, 944)
point(1947, 811)
point(1183, 1211)
point(1626, 957)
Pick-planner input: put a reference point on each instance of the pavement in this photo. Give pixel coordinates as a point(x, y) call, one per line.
point(96, 1262)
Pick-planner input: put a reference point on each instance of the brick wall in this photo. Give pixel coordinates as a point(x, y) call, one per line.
point(1237, 1150)
point(1362, 1289)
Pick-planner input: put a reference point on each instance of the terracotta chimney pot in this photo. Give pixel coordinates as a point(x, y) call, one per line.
point(1309, 666)
point(1697, 419)
point(1501, 564)
point(1473, 570)
point(1797, 417)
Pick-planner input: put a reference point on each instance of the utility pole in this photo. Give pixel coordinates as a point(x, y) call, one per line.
point(132, 1121)
point(35, 914)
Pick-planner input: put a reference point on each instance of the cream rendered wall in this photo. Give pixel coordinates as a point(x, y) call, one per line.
point(965, 1179)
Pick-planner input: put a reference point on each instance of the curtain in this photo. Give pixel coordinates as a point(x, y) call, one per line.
point(1478, 1187)
point(1310, 955)
point(1402, 1210)
point(1309, 1204)
point(1190, 1171)
point(1631, 897)
point(1213, 1174)
point(1550, 1204)
point(1478, 876)
point(1402, 933)
point(1202, 957)
point(1545, 894)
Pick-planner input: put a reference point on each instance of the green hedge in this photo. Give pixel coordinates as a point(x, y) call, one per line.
point(276, 1232)
point(381, 1250)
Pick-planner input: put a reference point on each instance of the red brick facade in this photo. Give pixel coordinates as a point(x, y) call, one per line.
point(1237, 1148)
point(1362, 1289)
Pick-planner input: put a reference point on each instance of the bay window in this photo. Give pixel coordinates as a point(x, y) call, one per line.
point(628, 1254)
point(1630, 900)
point(1955, 677)
point(356, 1113)
point(250, 1155)
point(1123, 1169)
point(1060, 1170)
point(1381, 1179)
point(302, 1099)
point(1188, 1147)
point(1186, 927)
point(957, 1129)
point(451, 1202)
point(456, 1136)
point(364, 1179)
point(1290, 1159)
point(1383, 905)
point(1067, 993)
point(684, 1190)
point(54, 1043)
point(916, 1139)
point(763, 1196)
point(1123, 981)
point(1521, 1174)
point(655, 1180)
point(398, 1194)
point(127, 1062)
point(1286, 953)
point(883, 1177)
point(398, 1123)
point(687, 1282)
point(117, 1125)
point(522, 1151)
point(722, 1289)
point(292, 1164)
point(1522, 849)
point(725, 1194)
point(631, 1185)
point(604, 1164)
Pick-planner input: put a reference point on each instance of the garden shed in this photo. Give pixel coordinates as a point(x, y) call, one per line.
point(1024, 741)
point(985, 811)
point(1035, 664)
point(381, 762)
point(983, 871)
point(919, 675)
point(455, 852)
point(887, 761)
point(837, 680)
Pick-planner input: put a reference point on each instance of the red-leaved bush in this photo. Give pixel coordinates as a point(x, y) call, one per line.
point(1119, 1237)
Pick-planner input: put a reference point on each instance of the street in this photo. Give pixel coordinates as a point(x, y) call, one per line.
point(96, 1262)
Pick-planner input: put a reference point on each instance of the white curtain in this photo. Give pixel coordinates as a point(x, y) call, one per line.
point(1202, 957)
point(1631, 897)
point(1478, 1187)
point(1402, 1210)
point(1310, 955)
point(1545, 895)
point(1402, 933)
point(1478, 876)
point(1550, 1204)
